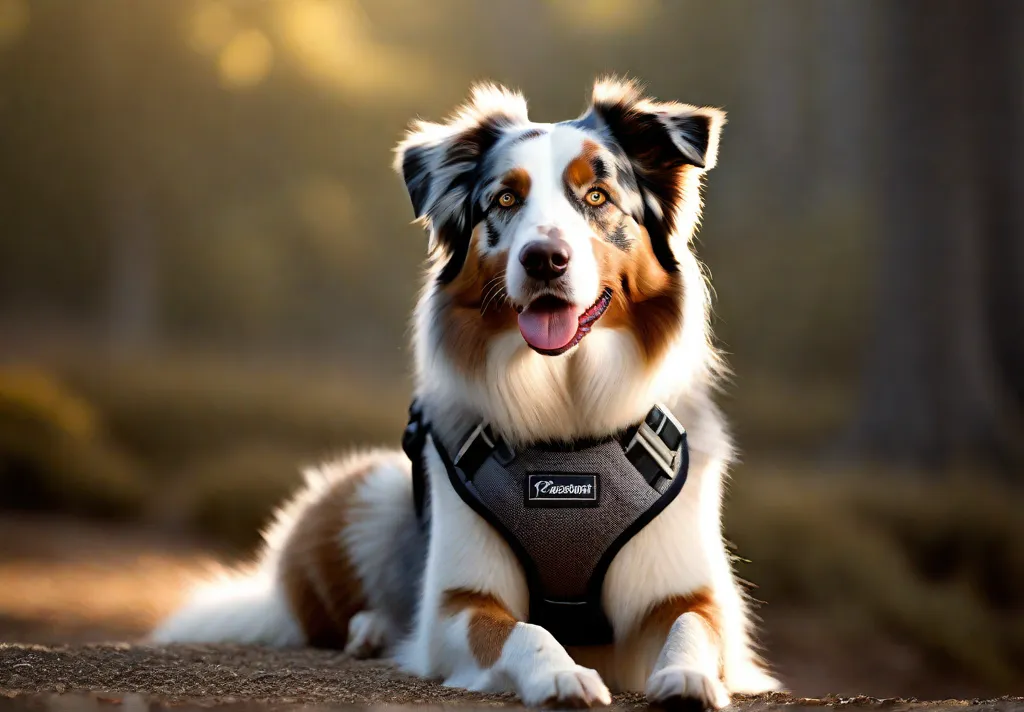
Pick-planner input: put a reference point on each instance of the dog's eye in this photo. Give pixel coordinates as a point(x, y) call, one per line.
point(596, 197)
point(507, 199)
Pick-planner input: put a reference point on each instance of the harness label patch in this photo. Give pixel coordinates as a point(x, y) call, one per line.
point(548, 489)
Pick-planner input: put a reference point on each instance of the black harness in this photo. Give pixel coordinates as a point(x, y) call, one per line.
point(565, 509)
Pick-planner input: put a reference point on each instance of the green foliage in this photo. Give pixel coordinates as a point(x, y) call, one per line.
point(936, 563)
point(206, 446)
point(53, 455)
point(171, 412)
point(229, 498)
point(219, 444)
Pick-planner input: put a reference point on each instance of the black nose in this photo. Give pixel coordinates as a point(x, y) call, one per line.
point(546, 259)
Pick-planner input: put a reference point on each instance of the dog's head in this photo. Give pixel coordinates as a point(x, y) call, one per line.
point(551, 232)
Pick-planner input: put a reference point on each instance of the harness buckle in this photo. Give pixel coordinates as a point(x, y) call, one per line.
point(475, 450)
point(654, 448)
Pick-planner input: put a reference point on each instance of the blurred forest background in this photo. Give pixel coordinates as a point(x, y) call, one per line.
point(206, 267)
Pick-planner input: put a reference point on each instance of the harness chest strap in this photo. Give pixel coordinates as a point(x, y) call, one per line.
point(564, 509)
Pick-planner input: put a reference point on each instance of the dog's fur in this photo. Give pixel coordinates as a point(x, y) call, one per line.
point(345, 564)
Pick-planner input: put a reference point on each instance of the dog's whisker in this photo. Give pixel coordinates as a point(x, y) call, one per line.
point(500, 296)
point(493, 287)
point(493, 281)
point(488, 298)
point(491, 299)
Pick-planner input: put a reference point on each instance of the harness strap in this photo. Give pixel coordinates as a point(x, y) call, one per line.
point(656, 448)
point(414, 440)
point(651, 447)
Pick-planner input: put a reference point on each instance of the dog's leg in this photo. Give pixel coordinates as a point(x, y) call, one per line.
point(489, 650)
point(688, 669)
point(469, 631)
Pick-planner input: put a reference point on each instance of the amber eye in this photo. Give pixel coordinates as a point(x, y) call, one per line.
point(596, 197)
point(507, 199)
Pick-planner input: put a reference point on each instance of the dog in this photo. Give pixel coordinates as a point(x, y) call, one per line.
point(564, 377)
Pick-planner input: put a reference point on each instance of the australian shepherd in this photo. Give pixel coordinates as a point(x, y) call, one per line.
point(562, 301)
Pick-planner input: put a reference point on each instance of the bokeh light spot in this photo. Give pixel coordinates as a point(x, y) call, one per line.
point(14, 17)
point(333, 44)
point(211, 27)
point(246, 60)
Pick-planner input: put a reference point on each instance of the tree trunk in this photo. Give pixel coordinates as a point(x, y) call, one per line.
point(1000, 105)
point(777, 78)
point(934, 388)
point(845, 97)
point(123, 176)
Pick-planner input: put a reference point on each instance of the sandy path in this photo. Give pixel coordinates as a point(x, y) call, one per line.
point(193, 676)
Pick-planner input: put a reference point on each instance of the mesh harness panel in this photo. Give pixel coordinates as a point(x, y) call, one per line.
point(565, 510)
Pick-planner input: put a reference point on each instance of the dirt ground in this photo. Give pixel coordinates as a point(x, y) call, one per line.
point(208, 676)
point(66, 586)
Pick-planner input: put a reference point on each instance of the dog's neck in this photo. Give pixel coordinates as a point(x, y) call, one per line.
point(601, 387)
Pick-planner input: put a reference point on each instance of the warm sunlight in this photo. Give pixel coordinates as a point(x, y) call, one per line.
point(211, 26)
point(606, 16)
point(14, 17)
point(246, 60)
point(332, 44)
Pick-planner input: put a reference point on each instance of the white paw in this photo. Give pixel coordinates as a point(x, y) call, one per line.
point(752, 680)
point(575, 686)
point(677, 686)
point(367, 635)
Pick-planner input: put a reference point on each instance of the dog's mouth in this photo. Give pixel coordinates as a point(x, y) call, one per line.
point(551, 325)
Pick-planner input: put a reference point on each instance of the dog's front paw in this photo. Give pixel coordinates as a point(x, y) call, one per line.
point(367, 635)
point(575, 686)
point(677, 687)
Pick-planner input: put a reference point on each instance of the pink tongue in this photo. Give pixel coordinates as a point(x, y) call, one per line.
point(549, 329)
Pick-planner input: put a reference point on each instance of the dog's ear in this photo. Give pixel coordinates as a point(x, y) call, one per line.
point(440, 164)
point(668, 146)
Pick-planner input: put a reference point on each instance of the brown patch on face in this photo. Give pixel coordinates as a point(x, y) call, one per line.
point(320, 582)
point(646, 299)
point(518, 181)
point(580, 172)
point(475, 310)
point(490, 623)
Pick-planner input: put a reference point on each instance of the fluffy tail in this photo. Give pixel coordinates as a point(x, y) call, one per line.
point(243, 608)
point(310, 551)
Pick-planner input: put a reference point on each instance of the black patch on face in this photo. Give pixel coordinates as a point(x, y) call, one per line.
point(493, 236)
point(659, 231)
point(624, 174)
point(605, 222)
point(614, 232)
point(657, 165)
point(469, 149)
point(655, 162)
point(527, 135)
point(619, 237)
